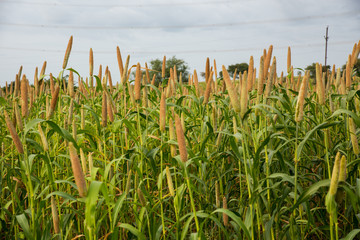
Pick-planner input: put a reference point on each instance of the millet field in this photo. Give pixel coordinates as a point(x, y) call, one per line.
point(256, 155)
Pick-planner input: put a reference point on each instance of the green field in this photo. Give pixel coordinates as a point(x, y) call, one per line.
point(263, 156)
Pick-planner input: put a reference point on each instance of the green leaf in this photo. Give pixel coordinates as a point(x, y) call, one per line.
point(98, 84)
point(285, 177)
point(236, 219)
point(185, 227)
point(310, 191)
point(133, 230)
point(91, 200)
point(61, 194)
point(349, 113)
point(71, 69)
point(117, 208)
point(30, 124)
point(214, 219)
point(3, 101)
point(63, 132)
point(351, 234)
point(308, 135)
point(22, 220)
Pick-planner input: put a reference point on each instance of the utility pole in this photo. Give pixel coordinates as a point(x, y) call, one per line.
point(326, 41)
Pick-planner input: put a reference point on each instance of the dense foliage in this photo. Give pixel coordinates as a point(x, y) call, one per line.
point(247, 158)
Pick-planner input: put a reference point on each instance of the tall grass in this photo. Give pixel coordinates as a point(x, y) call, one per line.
point(109, 159)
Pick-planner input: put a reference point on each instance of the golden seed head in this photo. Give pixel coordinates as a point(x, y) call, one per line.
point(110, 81)
point(217, 194)
point(231, 90)
point(208, 88)
point(289, 59)
point(104, 110)
point(153, 80)
point(181, 139)
point(71, 84)
point(267, 60)
point(77, 171)
point(320, 89)
point(17, 86)
point(162, 111)
point(36, 82)
point(131, 92)
point(261, 77)
point(110, 109)
point(244, 95)
point(355, 54)
point(196, 83)
point(250, 74)
point(225, 216)
point(163, 67)
point(141, 197)
point(172, 137)
point(13, 133)
point(19, 122)
point(299, 111)
point(147, 74)
point(342, 173)
point(24, 97)
point(348, 72)
point(138, 82)
point(169, 181)
point(120, 62)
point(42, 72)
point(207, 69)
point(90, 161)
point(67, 53)
point(125, 72)
point(269, 82)
point(91, 62)
point(52, 84)
point(43, 138)
point(353, 137)
point(335, 175)
point(71, 111)
point(54, 100)
point(20, 71)
point(83, 161)
point(55, 216)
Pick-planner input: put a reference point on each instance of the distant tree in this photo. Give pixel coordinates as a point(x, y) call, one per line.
point(240, 68)
point(181, 67)
point(356, 68)
point(312, 69)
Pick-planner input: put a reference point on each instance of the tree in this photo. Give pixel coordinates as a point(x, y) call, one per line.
point(240, 68)
point(312, 69)
point(181, 67)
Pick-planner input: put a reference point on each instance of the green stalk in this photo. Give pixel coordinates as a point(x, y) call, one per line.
point(327, 148)
point(161, 187)
point(296, 162)
point(243, 143)
point(191, 198)
point(31, 190)
point(12, 193)
point(141, 140)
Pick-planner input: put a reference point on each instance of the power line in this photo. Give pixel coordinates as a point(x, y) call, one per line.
point(175, 52)
point(139, 5)
point(149, 27)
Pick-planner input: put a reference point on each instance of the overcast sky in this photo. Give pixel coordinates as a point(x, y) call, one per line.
point(229, 31)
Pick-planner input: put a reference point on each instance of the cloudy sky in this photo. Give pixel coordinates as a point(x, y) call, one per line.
point(229, 31)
